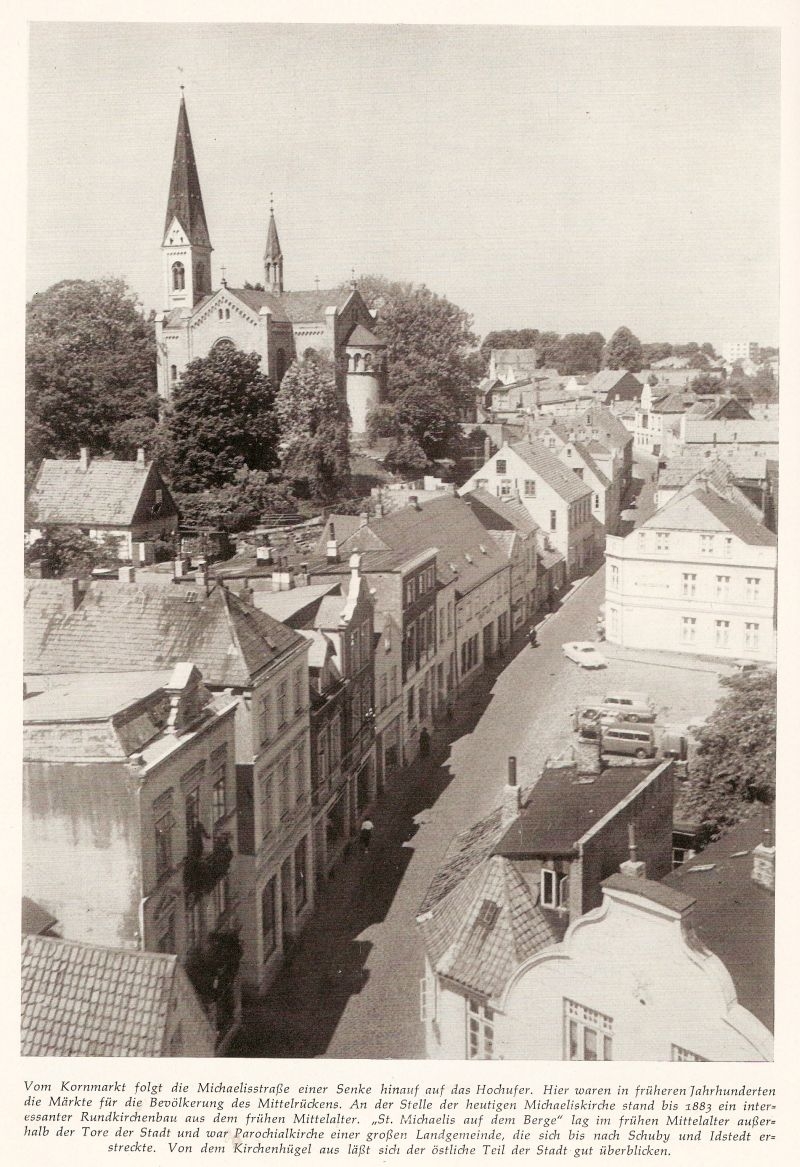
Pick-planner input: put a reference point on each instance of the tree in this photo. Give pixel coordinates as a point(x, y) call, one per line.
point(655, 351)
point(708, 348)
point(735, 762)
point(407, 458)
point(698, 360)
point(548, 347)
point(510, 338)
point(90, 364)
point(382, 422)
point(255, 497)
point(707, 383)
point(313, 419)
point(66, 551)
point(430, 419)
point(222, 420)
point(580, 352)
point(624, 351)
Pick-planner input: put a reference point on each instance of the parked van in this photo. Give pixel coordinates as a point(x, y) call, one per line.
point(637, 742)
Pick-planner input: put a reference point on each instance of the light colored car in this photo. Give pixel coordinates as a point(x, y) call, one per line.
point(584, 653)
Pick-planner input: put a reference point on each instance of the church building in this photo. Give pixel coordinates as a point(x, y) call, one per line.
point(279, 325)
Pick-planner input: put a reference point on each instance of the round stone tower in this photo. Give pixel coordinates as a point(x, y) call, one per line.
point(366, 376)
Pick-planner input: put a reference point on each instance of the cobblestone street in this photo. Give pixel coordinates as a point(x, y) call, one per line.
point(350, 988)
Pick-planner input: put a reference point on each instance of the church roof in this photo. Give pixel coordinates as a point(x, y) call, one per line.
point(185, 202)
point(362, 336)
point(273, 248)
point(255, 299)
point(302, 307)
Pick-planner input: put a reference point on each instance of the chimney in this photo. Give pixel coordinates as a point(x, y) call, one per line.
point(764, 855)
point(331, 548)
point(84, 459)
point(301, 577)
point(264, 554)
point(632, 867)
point(511, 795)
point(413, 501)
point(140, 457)
point(282, 576)
point(126, 574)
point(588, 757)
point(487, 448)
point(363, 519)
point(355, 565)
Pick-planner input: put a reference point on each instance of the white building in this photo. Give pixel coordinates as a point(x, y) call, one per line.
point(698, 576)
point(738, 350)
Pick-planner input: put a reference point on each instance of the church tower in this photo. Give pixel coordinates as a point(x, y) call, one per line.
point(186, 247)
point(273, 259)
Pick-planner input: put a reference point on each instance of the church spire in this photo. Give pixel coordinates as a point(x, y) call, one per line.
point(185, 202)
point(273, 257)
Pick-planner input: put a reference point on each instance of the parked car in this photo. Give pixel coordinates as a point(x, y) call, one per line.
point(584, 653)
point(631, 705)
point(639, 742)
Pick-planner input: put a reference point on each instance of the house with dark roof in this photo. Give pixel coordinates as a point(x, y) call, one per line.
point(698, 576)
point(104, 498)
point(130, 820)
point(86, 1000)
point(680, 969)
point(515, 532)
point(278, 324)
point(510, 885)
point(554, 496)
point(611, 385)
point(122, 626)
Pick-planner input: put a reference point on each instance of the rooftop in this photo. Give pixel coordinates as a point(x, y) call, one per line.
point(105, 493)
point(557, 476)
point(703, 509)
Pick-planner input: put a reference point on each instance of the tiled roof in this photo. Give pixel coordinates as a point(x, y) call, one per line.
point(702, 509)
point(79, 1000)
point(481, 932)
point(499, 514)
point(284, 606)
point(733, 916)
point(557, 476)
point(46, 603)
point(304, 307)
point(681, 468)
point(466, 851)
point(549, 558)
point(447, 524)
point(583, 451)
point(107, 493)
point(700, 429)
point(363, 337)
point(338, 527)
point(256, 299)
point(672, 403)
point(134, 626)
point(563, 806)
point(607, 379)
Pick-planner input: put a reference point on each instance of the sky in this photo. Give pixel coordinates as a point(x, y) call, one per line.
point(556, 178)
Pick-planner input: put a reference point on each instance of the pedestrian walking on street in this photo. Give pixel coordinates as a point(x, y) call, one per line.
point(424, 744)
point(367, 828)
point(533, 638)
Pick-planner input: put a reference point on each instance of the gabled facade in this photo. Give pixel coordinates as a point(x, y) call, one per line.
point(125, 501)
point(515, 532)
point(699, 576)
point(611, 385)
point(555, 498)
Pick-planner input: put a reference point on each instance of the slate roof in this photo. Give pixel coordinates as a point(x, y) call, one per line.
point(83, 699)
point(35, 918)
point(563, 806)
point(583, 451)
point(467, 849)
point(702, 509)
point(363, 337)
point(272, 251)
point(557, 476)
point(671, 403)
point(607, 379)
point(46, 603)
point(135, 626)
point(758, 432)
point(487, 927)
point(446, 524)
point(255, 300)
point(498, 514)
point(285, 606)
point(681, 468)
point(81, 1000)
point(733, 916)
point(107, 493)
point(304, 307)
point(185, 200)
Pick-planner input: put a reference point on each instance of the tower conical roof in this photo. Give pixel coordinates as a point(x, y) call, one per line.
point(185, 201)
point(273, 248)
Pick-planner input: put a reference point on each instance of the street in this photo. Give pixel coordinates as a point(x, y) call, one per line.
point(350, 987)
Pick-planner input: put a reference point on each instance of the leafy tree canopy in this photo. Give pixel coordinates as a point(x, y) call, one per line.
point(313, 419)
point(222, 420)
point(254, 497)
point(657, 350)
point(735, 762)
point(707, 383)
point(90, 364)
point(580, 352)
point(406, 458)
point(624, 351)
point(510, 338)
point(66, 551)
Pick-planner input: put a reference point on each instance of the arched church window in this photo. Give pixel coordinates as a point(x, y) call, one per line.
point(309, 352)
point(280, 364)
point(356, 362)
point(227, 313)
point(224, 344)
point(173, 372)
point(367, 361)
point(219, 313)
point(178, 277)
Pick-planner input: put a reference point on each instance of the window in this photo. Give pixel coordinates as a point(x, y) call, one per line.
point(281, 704)
point(266, 785)
point(613, 576)
point(263, 718)
point(222, 898)
point(166, 935)
point(679, 1054)
point(662, 541)
point(688, 584)
point(752, 583)
point(553, 887)
point(178, 277)
point(530, 488)
point(706, 544)
point(422, 699)
point(322, 758)
point(728, 546)
point(588, 1034)
point(192, 813)
point(219, 801)
point(298, 691)
point(722, 587)
point(285, 770)
point(500, 466)
point(193, 924)
point(597, 502)
point(751, 635)
point(641, 541)
point(300, 880)
point(410, 700)
point(504, 490)
point(335, 741)
point(300, 772)
point(268, 931)
point(721, 633)
point(552, 520)
point(173, 372)
point(163, 832)
point(480, 1030)
point(355, 645)
point(688, 629)
point(394, 683)
point(383, 698)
